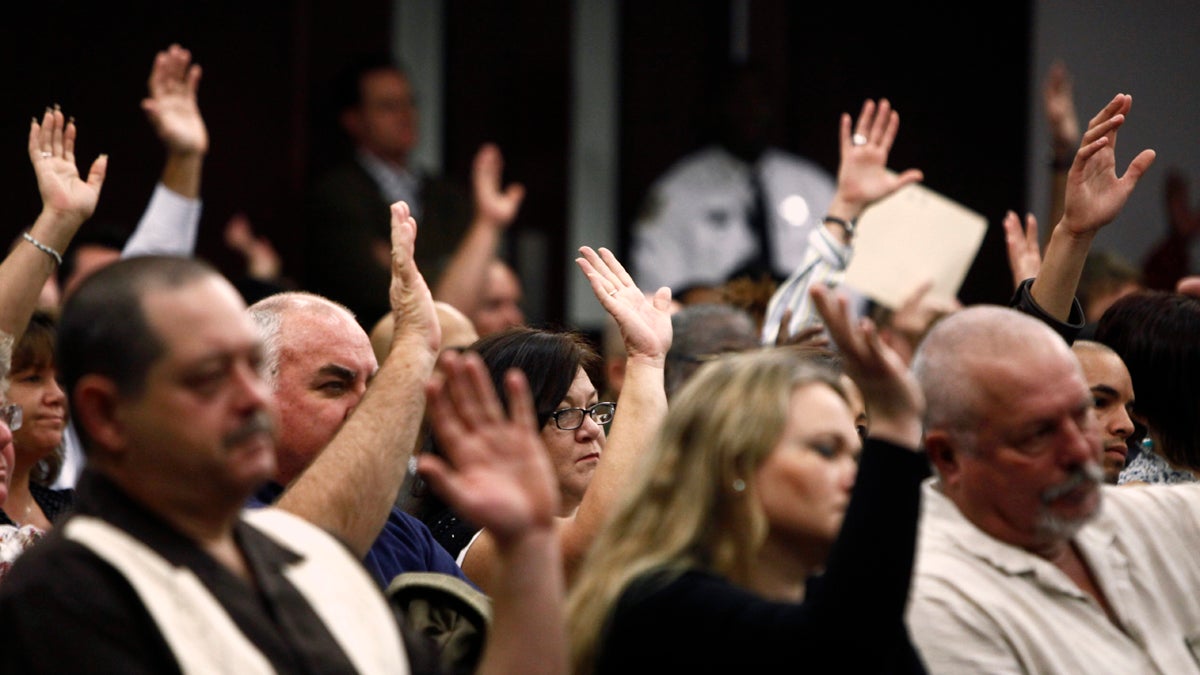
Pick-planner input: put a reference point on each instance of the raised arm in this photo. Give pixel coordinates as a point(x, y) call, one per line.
point(67, 200)
point(350, 488)
point(645, 325)
point(1058, 100)
point(170, 222)
point(863, 179)
point(1094, 197)
point(461, 284)
point(498, 475)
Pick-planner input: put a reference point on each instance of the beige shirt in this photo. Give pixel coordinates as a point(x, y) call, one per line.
point(982, 606)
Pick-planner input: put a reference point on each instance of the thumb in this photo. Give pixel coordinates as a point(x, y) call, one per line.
point(97, 172)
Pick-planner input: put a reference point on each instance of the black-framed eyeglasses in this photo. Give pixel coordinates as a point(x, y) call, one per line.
point(12, 416)
point(570, 419)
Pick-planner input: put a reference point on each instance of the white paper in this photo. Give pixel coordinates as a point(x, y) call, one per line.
point(911, 237)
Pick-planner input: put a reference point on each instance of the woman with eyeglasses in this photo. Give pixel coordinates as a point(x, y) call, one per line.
point(590, 463)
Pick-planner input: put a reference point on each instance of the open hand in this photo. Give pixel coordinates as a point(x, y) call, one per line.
point(65, 196)
point(171, 105)
point(645, 323)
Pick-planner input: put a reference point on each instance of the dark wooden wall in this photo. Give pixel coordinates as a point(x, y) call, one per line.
point(961, 92)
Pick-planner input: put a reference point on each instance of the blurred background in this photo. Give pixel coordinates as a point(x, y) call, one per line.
point(590, 101)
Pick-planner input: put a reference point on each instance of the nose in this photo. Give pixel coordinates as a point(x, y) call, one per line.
point(589, 429)
point(252, 388)
point(1120, 424)
point(54, 394)
point(1080, 441)
point(849, 472)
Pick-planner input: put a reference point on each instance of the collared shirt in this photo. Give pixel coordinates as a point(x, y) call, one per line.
point(395, 182)
point(982, 606)
point(64, 609)
point(405, 544)
point(824, 262)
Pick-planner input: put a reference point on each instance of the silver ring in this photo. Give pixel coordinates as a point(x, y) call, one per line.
point(47, 154)
point(858, 139)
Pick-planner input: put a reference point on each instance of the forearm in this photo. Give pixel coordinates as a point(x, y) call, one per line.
point(461, 283)
point(181, 173)
point(350, 488)
point(169, 225)
point(1055, 285)
point(26, 269)
point(527, 633)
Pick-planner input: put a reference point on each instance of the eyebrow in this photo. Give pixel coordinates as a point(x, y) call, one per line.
point(1104, 389)
point(334, 370)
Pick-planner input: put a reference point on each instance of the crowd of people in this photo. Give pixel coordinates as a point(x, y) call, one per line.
point(408, 479)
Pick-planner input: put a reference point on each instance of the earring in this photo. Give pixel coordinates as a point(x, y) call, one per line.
point(739, 485)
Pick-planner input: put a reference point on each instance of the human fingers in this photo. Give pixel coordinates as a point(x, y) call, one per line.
point(69, 141)
point(880, 122)
point(890, 131)
point(1138, 167)
point(865, 116)
point(610, 282)
point(617, 268)
point(97, 173)
point(520, 401)
point(56, 133)
point(1116, 106)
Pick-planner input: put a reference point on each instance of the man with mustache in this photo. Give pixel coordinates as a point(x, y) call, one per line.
point(158, 570)
point(1018, 567)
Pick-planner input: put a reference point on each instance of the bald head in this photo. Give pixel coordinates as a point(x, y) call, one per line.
point(948, 362)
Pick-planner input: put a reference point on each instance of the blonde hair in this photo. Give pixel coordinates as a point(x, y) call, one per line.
point(690, 505)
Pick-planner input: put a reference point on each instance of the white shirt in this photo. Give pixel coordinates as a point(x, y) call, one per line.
point(693, 228)
point(981, 606)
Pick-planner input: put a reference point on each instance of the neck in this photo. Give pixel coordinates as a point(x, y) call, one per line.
point(398, 160)
point(20, 505)
point(780, 571)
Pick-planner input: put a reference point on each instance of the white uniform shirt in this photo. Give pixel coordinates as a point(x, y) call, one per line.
point(693, 230)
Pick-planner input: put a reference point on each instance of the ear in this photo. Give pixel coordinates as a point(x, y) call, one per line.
point(939, 446)
point(96, 407)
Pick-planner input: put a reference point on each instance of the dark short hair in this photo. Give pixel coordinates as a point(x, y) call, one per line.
point(1154, 333)
point(36, 348)
point(347, 85)
point(549, 360)
point(103, 329)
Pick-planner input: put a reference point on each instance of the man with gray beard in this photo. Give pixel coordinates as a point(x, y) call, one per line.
point(1020, 569)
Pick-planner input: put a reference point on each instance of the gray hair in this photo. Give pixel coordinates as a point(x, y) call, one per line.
point(267, 315)
point(6, 349)
point(701, 330)
point(945, 362)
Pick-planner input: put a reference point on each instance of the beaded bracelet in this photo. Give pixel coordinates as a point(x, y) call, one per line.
point(43, 248)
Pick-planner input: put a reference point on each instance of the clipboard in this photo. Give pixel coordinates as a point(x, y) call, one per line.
point(910, 237)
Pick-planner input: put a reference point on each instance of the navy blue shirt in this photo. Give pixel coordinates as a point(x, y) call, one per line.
point(404, 545)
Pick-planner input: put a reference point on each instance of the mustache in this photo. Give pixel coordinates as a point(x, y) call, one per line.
point(1089, 473)
point(259, 423)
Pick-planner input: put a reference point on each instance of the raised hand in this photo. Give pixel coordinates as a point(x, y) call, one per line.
point(1024, 253)
point(171, 104)
point(1095, 194)
point(891, 391)
point(67, 198)
point(498, 206)
point(863, 176)
point(645, 323)
point(497, 473)
point(810, 336)
point(262, 260)
point(1058, 100)
point(412, 303)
